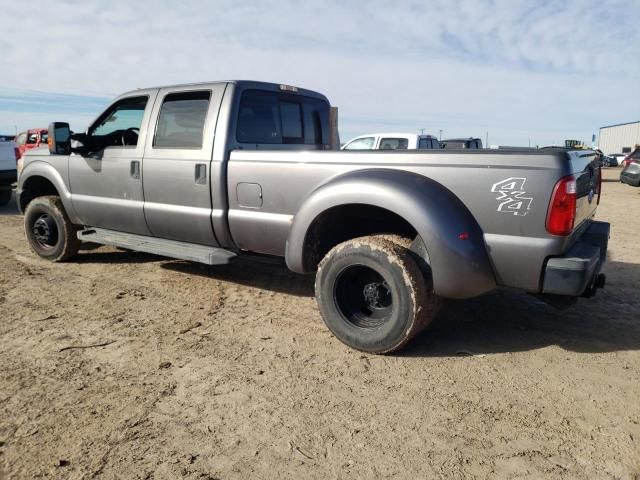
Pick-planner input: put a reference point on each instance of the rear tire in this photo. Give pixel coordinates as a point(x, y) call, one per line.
point(49, 231)
point(372, 294)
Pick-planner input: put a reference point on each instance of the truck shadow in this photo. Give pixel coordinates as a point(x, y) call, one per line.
point(265, 276)
point(11, 208)
point(501, 322)
point(510, 321)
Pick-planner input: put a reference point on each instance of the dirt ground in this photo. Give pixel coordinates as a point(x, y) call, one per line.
point(229, 373)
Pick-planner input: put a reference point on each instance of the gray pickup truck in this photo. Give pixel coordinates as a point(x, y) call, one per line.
point(216, 171)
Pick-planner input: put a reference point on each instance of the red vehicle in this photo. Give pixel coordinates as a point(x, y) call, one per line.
point(634, 156)
point(33, 138)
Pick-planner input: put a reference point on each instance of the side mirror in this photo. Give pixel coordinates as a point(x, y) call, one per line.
point(59, 138)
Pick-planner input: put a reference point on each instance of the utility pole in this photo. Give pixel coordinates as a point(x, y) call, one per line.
point(422, 131)
point(440, 135)
point(486, 140)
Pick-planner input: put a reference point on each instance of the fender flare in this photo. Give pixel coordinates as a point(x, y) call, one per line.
point(39, 168)
point(460, 268)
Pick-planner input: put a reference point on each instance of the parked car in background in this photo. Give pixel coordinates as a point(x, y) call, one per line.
point(392, 141)
point(33, 138)
point(618, 157)
point(634, 155)
point(8, 174)
point(605, 160)
point(631, 171)
point(461, 143)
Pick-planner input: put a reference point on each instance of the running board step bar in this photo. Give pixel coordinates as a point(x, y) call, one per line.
point(158, 246)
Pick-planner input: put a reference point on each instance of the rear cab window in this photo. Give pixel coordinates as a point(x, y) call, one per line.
point(272, 118)
point(428, 144)
point(394, 143)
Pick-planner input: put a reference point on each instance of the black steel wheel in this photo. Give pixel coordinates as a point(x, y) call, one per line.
point(48, 229)
point(372, 294)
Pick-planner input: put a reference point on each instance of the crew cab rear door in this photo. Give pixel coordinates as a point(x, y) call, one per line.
point(176, 169)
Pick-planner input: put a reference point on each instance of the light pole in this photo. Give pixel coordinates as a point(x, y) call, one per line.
point(440, 135)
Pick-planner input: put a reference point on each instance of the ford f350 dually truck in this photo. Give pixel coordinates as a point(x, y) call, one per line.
point(215, 171)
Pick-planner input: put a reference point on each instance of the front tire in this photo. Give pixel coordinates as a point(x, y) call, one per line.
point(49, 231)
point(372, 294)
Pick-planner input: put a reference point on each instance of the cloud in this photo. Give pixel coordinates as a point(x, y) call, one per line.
point(544, 70)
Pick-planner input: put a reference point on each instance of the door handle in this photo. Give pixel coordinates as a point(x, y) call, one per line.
point(201, 174)
point(135, 169)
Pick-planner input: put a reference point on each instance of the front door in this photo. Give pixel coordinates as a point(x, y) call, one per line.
point(177, 164)
point(106, 184)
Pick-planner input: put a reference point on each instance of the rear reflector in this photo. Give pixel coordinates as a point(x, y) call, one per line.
point(562, 209)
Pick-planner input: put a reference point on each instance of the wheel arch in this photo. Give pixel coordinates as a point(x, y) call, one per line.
point(39, 179)
point(417, 205)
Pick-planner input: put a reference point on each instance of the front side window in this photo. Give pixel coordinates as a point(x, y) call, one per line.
point(181, 120)
point(120, 125)
point(364, 143)
point(32, 139)
point(267, 117)
point(394, 144)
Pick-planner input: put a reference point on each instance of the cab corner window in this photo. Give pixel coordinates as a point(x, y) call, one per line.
point(120, 125)
point(181, 120)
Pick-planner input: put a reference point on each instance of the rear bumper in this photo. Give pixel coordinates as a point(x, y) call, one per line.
point(577, 272)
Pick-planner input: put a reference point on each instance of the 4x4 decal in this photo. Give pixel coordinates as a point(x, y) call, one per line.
point(511, 196)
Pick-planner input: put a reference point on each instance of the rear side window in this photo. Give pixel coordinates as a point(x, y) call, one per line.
point(281, 118)
point(394, 143)
point(181, 120)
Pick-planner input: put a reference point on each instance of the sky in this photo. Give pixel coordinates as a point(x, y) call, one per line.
point(516, 72)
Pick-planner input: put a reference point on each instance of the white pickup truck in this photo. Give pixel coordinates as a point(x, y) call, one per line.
point(392, 141)
point(8, 173)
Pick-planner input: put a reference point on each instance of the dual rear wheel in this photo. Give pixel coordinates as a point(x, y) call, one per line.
point(373, 294)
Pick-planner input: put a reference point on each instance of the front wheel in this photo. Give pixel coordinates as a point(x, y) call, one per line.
point(49, 231)
point(372, 294)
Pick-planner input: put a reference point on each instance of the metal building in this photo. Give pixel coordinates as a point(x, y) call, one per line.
point(620, 138)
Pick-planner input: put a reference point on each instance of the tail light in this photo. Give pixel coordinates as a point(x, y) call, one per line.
point(562, 209)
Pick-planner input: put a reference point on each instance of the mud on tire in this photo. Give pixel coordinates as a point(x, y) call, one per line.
point(48, 229)
point(372, 294)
